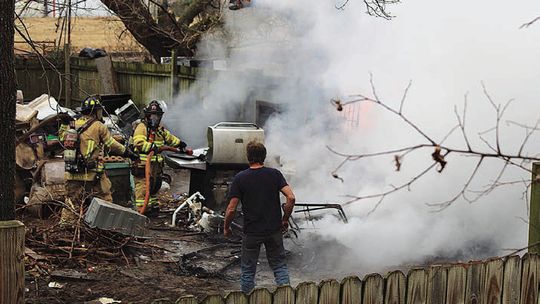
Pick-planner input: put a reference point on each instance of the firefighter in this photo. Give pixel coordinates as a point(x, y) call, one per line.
point(150, 135)
point(85, 140)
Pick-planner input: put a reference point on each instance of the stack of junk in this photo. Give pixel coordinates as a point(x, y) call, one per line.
point(40, 168)
point(40, 181)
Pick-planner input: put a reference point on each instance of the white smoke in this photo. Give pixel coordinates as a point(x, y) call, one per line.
point(314, 52)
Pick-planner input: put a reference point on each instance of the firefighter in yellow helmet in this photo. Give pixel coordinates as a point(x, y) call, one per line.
point(85, 140)
point(150, 135)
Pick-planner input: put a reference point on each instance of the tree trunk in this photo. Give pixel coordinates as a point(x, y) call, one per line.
point(11, 231)
point(158, 39)
point(8, 92)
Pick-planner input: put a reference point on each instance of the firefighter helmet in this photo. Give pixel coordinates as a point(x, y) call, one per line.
point(91, 103)
point(153, 107)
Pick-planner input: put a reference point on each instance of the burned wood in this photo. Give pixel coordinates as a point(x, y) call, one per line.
point(205, 262)
point(71, 275)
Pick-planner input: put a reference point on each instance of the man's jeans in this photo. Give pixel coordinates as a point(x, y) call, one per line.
point(275, 253)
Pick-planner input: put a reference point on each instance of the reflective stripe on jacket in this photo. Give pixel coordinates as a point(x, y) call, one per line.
point(143, 145)
point(93, 141)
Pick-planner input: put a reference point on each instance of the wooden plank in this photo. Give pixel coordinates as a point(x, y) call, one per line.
point(493, 282)
point(436, 285)
point(395, 288)
point(373, 289)
point(307, 293)
point(475, 279)
point(236, 297)
point(351, 290)
point(213, 299)
point(416, 286)
point(107, 75)
point(457, 281)
point(162, 301)
point(187, 300)
point(529, 279)
point(329, 292)
point(284, 295)
point(11, 262)
point(534, 214)
point(260, 296)
point(512, 280)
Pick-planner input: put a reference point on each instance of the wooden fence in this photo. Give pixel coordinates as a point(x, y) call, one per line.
point(142, 80)
point(512, 280)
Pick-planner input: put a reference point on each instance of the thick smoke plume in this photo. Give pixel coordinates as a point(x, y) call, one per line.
point(303, 53)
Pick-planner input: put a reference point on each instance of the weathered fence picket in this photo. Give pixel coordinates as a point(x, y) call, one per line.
point(512, 280)
point(455, 289)
point(529, 279)
point(284, 295)
point(373, 289)
point(236, 297)
point(260, 296)
point(213, 299)
point(475, 278)
point(187, 300)
point(307, 293)
point(436, 285)
point(416, 286)
point(395, 288)
point(351, 290)
point(329, 291)
point(493, 282)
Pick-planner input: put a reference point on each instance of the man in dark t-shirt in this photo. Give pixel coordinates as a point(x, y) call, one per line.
point(258, 189)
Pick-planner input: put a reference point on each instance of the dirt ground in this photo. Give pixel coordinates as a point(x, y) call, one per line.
point(154, 267)
point(142, 278)
point(107, 33)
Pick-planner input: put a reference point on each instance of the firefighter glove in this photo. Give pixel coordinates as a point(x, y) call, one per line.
point(130, 154)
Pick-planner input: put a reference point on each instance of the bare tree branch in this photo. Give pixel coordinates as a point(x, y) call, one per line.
point(495, 151)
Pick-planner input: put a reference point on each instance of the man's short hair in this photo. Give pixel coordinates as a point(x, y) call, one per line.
point(256, 152)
